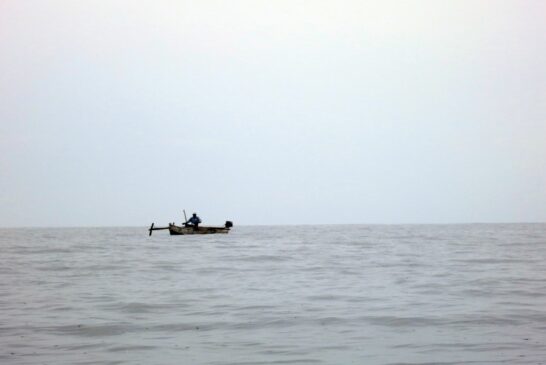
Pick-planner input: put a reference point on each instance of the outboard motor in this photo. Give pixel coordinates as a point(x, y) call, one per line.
point(229, 224)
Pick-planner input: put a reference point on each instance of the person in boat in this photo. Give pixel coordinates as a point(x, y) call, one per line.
point(194, 221)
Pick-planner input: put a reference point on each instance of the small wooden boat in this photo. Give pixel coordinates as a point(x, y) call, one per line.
point(188, 229)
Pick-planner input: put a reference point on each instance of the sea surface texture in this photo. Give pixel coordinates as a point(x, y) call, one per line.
point(355, 294)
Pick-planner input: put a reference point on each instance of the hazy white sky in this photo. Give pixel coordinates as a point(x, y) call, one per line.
point(272, 112)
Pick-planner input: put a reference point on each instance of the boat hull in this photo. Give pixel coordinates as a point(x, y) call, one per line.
point(175, 230)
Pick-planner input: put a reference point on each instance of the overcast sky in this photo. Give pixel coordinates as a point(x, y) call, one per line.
point(272, 112)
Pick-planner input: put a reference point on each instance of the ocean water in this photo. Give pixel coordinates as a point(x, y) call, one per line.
point(355, 294)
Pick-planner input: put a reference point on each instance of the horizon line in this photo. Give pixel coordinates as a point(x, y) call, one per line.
point(293, 225)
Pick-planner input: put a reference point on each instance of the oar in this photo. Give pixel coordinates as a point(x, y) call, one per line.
point(155, 229)
point(185, 218)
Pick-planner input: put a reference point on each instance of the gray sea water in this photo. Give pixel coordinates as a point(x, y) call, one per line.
point(355, 294)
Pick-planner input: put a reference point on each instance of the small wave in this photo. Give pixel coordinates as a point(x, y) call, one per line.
point(392, 321)
point(264, 258)
point(96, 330)
point(131, 348)
point(272, 362)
